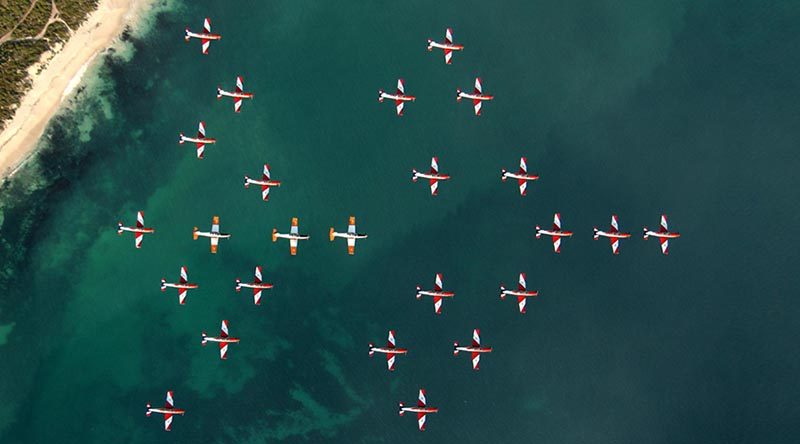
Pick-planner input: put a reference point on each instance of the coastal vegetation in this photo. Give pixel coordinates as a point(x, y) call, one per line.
point(29, 29)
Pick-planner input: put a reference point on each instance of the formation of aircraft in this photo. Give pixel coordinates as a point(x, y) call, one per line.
point(391, 351)
point(613, 234)
point(257, 285)
point(477, 96)
point(183, 285)
point(399, 97)
point(421, 409)
point(448, 46)
point(521, 293)
point(438, 294)
point(476, 350)
point(214, 235)
point(522, 176)
point(266, 183)
point(293, 236)
point(138, 231)
point(224, 339)
point(238, 95)
point(200, 141)
point(168, 411)
point(663, 234)
point(350, 235)
point(556, 233)
point(433, 177)
point(205, 37)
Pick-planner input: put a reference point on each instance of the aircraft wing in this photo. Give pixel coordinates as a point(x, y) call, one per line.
point(140, 219)
point(421, 420)
point(351, 246)
point(523, 165)
point(448, 36)
point(477, 104)
point(476, 338)
point(478, 86)
point(614, 224)
point(266, 175)
point(521, 302)
point(399, 104)
point(207, 26)
point(201, 130)
point(182, 295)
point(434, 165)
point(257, 275)
point(523, 186)
point(239, 84)
point(400, 87)
point(390, 358)
point(614, 245)
point(664, 227)
point(168, 416)
point(557, 244)
point(390, 342)
point(437, 282)
point(184, 275)
point(437, 304)
point(214, 244)
point(201, 147)
point(223, 329)
point(293, 246)
point(257, 296)
point(295, 224)
point(557, 222)
point(264, 193)
point(351, 227)
point(434, 183)
point(448, 56)
point(237, 104)
point(215, 224)
point(523, 284)
point(138, 238)
point(476, 360)
point(664, 245)
point(421, 401)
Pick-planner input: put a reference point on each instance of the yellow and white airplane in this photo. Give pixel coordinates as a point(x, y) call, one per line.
point(214, 234)
point(293, 236)
point(350, 235)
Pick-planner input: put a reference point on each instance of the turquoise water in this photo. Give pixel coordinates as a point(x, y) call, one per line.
point(633, 107)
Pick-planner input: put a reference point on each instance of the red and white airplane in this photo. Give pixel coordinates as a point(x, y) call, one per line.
point(223, 340)
point(168, 411)
point(350, 235)
point(391, 351)
point(138, 231)
point(475, 349)
point(522, 176)
point(556, 233)
point(614, 235)
point(237, 95)
point(448, 46)
point(477, 97)
point(663, 234)
point(200, 141)
point(521, 293)
point(399, 97)
point(421, 409)
point(183, 285)
point(293, 236)
point(437, 293)
point(257, 285)
point(205, 37)
point(433, 177)
point(266, 183)
point(214, 235)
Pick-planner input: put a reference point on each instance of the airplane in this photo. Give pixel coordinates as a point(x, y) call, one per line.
point(434, 177)
point(223, 340)
point(421, 409)
point(257, 285)
point(351, 236)
point(448, 46)
point(475, 349)
point(266, 182)
point(521, 293)
point(183, 286)
point(168, 411)
point(614, 235)
point(399, 97)
point(478, 97)
point(201, 140)
point(663, 234)
point(214, 234)
point(522, 176)
point(556, 233)
point(237, 95)
point(138, 231)
point(293, 236)
point(205, 37)
point(437, 293)
point(391, 350)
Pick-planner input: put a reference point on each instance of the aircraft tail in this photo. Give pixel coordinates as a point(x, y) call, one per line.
point(502, 294)
point(418, 290)
point(119, 228)
point(503, 177)
point(458, 95)
point(246, 182)
point(180, 138)
point(645, 233)
point(332, 234)
point(401, 412)
point(194, 233)
point(538, 234)
point(274, 235)
point(203, 341)
point(430, 48)
point(414, 175)
point(596, 236)
point(380, 95)
point(163, 284)
point(371, 351)
point(455, 348)
point(238, 285)
point(148, 412)
point(186, 37)
point(219, 93)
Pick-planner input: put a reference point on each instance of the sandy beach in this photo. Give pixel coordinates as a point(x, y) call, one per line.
point(62, 74)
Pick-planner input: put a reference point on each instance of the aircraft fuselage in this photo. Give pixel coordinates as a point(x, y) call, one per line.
point(441, 294)
point(202, 35)
point(165, 411)
point(617, 235)
point(236, 95)
point(220, 340)
point(137, 229)
point(398, 97)
point(661, 234)
point(388, 351)
point(554, 233)
point(211, 234)
point(186, 286)
point(419, 409)
point(198, 140)
point(349, 235)
point(473, 349)
point(419, 175)
point(292, 236)
point(518, 293)
point(481, 97)
point(450, 46)
point(508, 175)
point(266, 183)
point(259, 286)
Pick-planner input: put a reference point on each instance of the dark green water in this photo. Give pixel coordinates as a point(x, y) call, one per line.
point(633, 107)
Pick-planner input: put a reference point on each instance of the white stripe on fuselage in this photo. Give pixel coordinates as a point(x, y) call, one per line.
point(474, 96)
point(431, 176)
point(433, 44)
point(179, 286)
point(508, 175)
point(291, 236)
point(396, 97)
point(196, 140)
point(263, 286)
point(242, 95)
point(613, 235)
point(202, 36)
point(212, 235)
point(136, 230)
point(667, 235)
point(519, 293)
point(442, 294)
point(221, 340)
point(349, 235)
point(165, 411)
point(555, 233)
point(388, 351)
point(474, 349)
point(267, 183)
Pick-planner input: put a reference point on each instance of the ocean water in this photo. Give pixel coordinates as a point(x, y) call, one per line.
point(630, 107)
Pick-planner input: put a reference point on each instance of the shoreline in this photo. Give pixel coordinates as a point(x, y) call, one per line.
point(61, 75)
